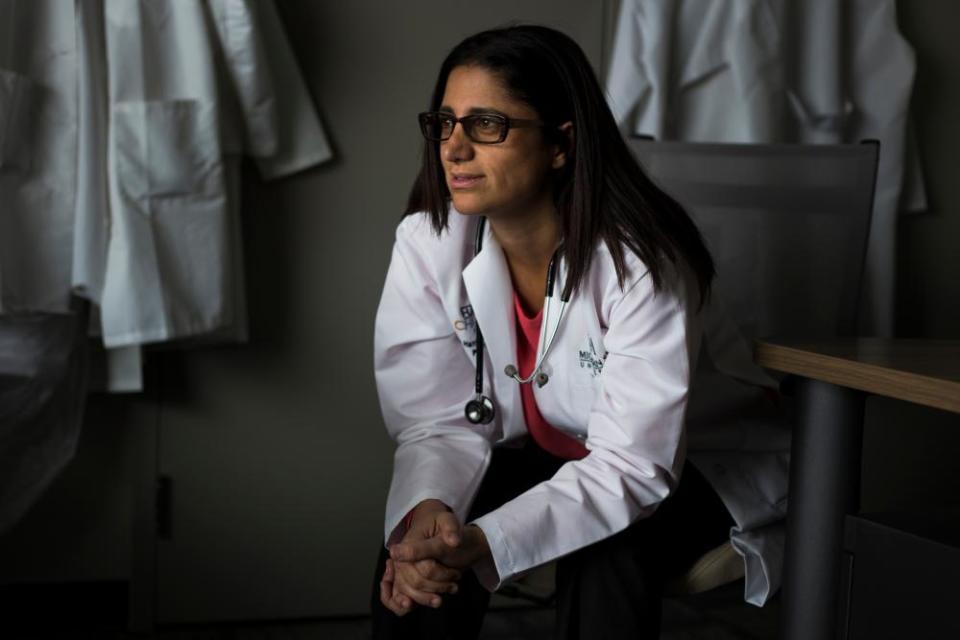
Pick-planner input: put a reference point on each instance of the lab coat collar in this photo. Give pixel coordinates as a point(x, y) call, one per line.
point(490, 289)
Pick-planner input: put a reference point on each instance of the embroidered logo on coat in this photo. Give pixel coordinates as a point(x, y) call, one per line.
point(591, 360)
point(467, 322)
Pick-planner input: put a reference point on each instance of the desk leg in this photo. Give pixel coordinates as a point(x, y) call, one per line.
point(824, 487)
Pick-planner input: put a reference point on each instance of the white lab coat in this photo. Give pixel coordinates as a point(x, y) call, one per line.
point(38, 151)
point(122, 124)
point(754, 71)
point(192, 85)
point(121, 186)
point(620, 369)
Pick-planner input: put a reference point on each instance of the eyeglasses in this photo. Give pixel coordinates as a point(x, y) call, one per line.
point(485, 128)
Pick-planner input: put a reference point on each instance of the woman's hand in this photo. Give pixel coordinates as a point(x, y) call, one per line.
point(470, 549)
point(432, 518)
point(406, 584)
point(423, 582)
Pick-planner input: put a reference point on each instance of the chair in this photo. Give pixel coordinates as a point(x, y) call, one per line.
point(787, 226)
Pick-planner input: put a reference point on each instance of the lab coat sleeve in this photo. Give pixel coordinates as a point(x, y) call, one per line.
point(424, 377)
point(635, 438)
point(247, 63)
point(629, 85)
point(283, 131)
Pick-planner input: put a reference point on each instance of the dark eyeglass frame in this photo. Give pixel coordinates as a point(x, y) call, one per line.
point(467, 122)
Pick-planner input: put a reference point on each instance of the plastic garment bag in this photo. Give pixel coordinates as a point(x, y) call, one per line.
point(43, 380)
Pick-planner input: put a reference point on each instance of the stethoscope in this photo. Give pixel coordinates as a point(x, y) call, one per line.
point(480, 410)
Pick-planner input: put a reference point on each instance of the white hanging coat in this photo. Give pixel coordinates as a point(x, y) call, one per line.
point(122, 124)
point(38, 151)
point(192, 86)
point(620, 367)
point(755, 71)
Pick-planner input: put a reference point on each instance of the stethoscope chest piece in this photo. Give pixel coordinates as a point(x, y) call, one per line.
point(479, 410)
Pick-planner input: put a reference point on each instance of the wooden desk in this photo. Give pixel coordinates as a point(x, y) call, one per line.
point(833, 379)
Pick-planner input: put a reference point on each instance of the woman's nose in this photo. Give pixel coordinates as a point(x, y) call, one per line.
point(458, 147)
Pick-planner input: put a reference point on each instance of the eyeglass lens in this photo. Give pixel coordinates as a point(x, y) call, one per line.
point(479, 128)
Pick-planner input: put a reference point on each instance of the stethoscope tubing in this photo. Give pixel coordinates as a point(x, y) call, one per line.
point(481, 410)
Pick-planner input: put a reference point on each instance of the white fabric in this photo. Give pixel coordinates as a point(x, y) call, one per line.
point(620, 368)
point(190, 85)
point(38, 149)
point(814, 71)
point(121, 126)
point(124, 369)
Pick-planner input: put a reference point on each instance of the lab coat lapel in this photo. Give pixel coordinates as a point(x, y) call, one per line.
point(488, 284)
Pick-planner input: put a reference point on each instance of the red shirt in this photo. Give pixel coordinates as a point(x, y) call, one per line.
point(543, 433)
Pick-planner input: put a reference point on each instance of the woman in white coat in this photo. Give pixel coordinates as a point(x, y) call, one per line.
point(535, 427)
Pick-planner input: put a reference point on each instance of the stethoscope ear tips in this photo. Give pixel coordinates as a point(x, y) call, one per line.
point(479, 410)
point(540, 378)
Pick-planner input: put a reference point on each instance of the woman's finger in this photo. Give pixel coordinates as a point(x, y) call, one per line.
point(388, 571)
point(414, 578)
point(408, 582)
point(403, 603)
point(387, 596)
point(389, 601)
point(400, 604)
point(413, 550)
point(433, 570)
point(449, 528)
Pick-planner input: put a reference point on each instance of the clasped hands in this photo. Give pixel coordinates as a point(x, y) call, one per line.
point(430, 559)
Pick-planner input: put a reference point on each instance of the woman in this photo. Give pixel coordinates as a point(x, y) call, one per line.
point(573, 446)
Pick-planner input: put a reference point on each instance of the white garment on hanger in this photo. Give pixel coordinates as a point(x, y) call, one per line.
point(122, 124)
point(213, 80)
point(38, 154)
point(752, 71)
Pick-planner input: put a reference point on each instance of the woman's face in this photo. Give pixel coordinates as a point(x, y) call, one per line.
point(506, 179)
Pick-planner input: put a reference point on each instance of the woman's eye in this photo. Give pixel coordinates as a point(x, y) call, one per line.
point(487, 123)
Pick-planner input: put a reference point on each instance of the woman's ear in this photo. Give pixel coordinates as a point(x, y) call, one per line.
point(564, 147)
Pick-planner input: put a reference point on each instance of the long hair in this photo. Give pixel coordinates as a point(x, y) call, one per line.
point(601, 192)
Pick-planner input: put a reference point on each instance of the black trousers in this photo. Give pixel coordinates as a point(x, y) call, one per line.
point(610, 589)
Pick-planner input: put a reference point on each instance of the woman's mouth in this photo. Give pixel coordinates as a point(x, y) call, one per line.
point(464, 180)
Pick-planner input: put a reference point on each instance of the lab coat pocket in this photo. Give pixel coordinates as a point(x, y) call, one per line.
point(568, 396)
point(167, 149)
point(19, 105)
